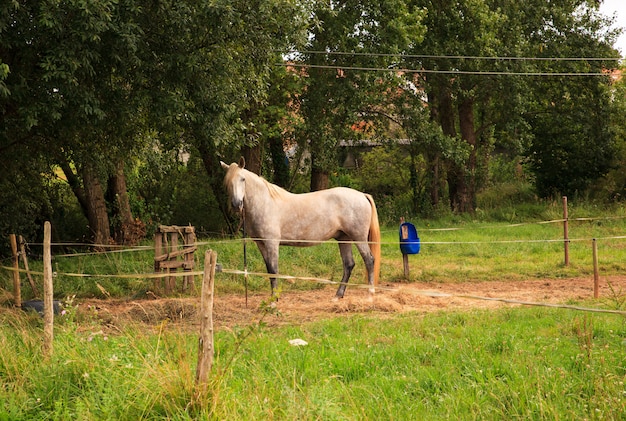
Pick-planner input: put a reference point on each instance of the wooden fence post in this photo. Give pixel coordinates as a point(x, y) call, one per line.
point(158, 251)
point(205, 342)
point(596, 272)
point(17, 292)
point(33, 286)
point(189, 242)
point(565, 231)
point(48, 303)
point(405, 257)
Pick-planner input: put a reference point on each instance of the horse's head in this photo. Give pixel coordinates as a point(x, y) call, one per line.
point(235, 183)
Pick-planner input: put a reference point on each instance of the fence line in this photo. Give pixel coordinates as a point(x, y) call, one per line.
point(522, 224)
point(428, 293)
point(122, 249)
point(125, 249)
point(313, 242)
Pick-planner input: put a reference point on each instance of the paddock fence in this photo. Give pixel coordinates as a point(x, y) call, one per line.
point(188, 274)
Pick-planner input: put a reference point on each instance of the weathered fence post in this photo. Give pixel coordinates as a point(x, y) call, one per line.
point(189, 244)
point(33, 286)
point(565, 231)
point(404, 234)
point(158, 251)
point(205, 342)
point(596, 272)
point(17, 292)
point(48, 303)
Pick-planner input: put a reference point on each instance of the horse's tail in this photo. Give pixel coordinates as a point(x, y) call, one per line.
point(374, 239)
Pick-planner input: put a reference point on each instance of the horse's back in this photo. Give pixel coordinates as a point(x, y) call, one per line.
point(325, 214)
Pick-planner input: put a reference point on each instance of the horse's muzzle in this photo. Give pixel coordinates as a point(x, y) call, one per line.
point(237, 205)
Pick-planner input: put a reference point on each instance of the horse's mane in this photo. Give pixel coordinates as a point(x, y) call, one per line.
point(276, 192)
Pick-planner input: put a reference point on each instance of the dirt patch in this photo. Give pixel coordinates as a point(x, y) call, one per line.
point(303, 306)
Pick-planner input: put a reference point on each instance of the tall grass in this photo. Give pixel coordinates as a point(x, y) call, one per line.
point(520, 363)
point(523, 363)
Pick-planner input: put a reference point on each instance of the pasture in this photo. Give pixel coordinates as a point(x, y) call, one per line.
point(122, 353)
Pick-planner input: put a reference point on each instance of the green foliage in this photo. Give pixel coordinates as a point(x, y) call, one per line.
point(384, 172)
point(613, 186)
point(335, 101)
point(573, 146)
point(511, 363)
point(82, 82)
point(67, 218)
point(24, 202)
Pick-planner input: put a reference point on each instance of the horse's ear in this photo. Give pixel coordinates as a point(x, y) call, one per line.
point(242, 162)
point(224, 165)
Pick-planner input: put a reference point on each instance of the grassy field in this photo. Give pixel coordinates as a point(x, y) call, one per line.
point(513, 363)
point(522, 363)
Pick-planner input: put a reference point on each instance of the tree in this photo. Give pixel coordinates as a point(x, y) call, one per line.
point(219, 61)
point(573, 144)
point(88, 78)
point(484, 109)
point(57, 55)
point(336, 97)
point(272, 124)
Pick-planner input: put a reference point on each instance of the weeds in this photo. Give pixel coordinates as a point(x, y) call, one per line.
point(617, 298)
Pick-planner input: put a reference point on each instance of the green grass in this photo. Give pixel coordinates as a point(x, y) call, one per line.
point(512, 363)
point(516, 363)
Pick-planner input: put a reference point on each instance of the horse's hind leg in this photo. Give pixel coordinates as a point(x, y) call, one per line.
point(368, 259)
point(348, 264)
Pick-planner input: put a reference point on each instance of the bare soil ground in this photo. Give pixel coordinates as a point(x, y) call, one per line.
point(302, 306)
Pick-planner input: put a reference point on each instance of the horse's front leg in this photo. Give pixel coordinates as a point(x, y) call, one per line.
point(269, 251)
point(348, 264)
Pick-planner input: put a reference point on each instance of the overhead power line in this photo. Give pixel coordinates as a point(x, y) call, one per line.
point(451, 71)
point(453, 57)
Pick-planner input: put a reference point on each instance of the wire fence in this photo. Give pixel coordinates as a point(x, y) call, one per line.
point(115, 249)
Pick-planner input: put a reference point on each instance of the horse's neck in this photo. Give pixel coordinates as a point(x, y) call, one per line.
point(257, 192)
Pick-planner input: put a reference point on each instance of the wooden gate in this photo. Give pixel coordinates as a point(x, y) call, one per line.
point(168, 257)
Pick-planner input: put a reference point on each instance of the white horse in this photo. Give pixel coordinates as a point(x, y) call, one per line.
point(275, 217)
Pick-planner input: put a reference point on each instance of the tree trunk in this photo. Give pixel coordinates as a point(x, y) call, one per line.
point(279, 161)
point(214, 170)
point(125, 230)
point(75, 185)
point(433, 159)
point(466, 198)
point(457, 186)
point(433, 164)
point(252, 155)
point(96, 207)
point(319, 179)
point(445, 111)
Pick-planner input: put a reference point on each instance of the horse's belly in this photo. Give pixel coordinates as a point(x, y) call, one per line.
point(307, 235)
point(313, 229)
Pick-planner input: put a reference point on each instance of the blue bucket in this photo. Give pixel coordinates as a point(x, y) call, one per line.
point(409, 240)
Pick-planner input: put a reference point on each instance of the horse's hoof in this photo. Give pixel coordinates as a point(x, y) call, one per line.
point(372, 290)
point(337, 298)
